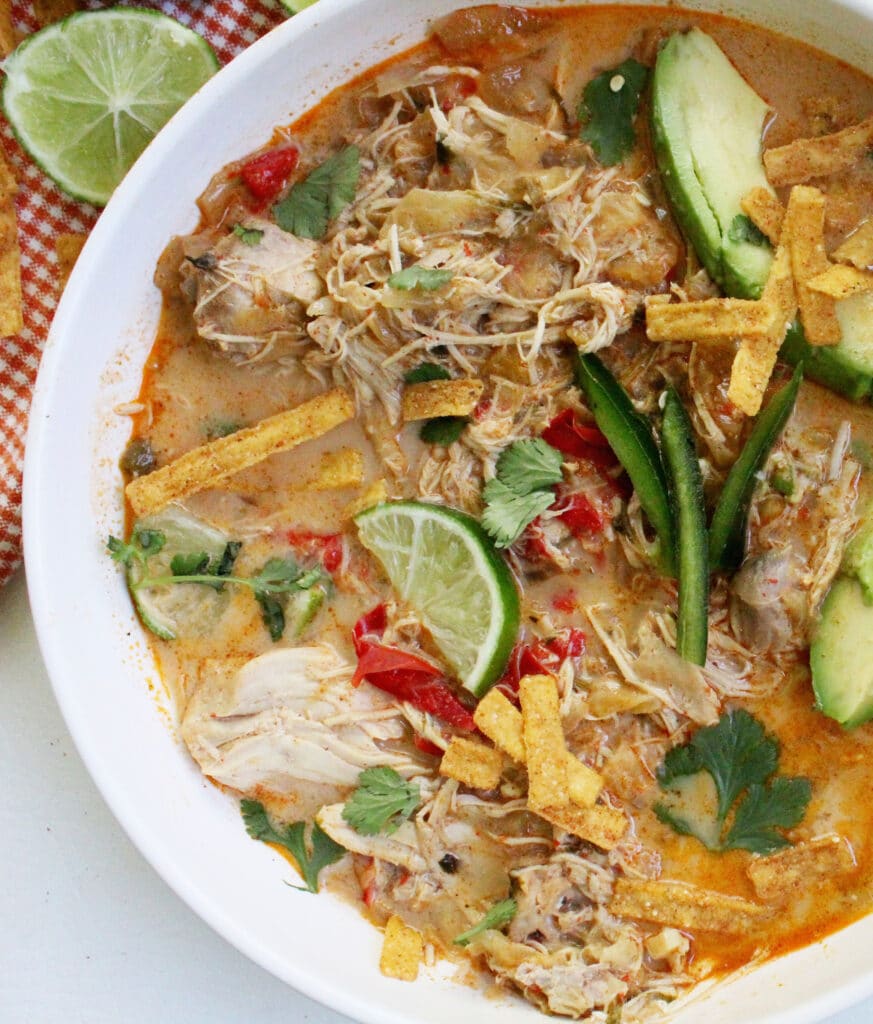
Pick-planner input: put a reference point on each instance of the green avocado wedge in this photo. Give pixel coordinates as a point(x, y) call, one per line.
point(840, 655)
point(706, 125)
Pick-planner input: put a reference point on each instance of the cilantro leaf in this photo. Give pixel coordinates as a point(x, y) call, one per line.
point(498, 916)
point(150, 541)
point(680, 825)
point(427, 278)
point(122, 552)
point(779, 804)
point(608, 109)
point(678, 762)
point(529, 465)
point(193, 564)
point(425, 372)
point(381, 803)
point(742, 229)
point(278, 576)
point(444, 430)
point(507, 514)
point(324, 851)
point(312, 203)
point(272, 615)
point(248, 236)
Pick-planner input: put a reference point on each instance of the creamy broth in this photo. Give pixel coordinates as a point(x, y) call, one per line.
point(593, 577)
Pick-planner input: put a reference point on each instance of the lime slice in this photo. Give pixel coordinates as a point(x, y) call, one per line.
point(295, 6)
point(443, 565)
point(180, 608)
point(86, 95)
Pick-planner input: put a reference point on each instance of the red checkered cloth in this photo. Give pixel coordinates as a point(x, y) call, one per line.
point(44, 213)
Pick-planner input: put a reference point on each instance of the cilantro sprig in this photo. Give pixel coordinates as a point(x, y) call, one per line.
point(278, 578)
point(608, 109)
point(310, 855)
point(248, 236)
point(498, 916)
point(313, 203)
point(443, 430)
point(522, 489)
point(752, 802)
point(381, 803)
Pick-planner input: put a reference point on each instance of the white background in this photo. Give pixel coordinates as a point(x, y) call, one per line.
point(89, 934)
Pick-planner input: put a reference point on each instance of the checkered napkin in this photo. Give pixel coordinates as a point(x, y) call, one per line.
point(44, 213)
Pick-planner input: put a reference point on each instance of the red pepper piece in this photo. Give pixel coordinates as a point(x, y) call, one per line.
point(573, 438)
point(426, 747)
point(580, 516)
point(265, 175)
point(327, 547)
point(373, 624)
point(541, 657)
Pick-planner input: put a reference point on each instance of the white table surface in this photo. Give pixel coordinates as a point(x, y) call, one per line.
point(89, 934)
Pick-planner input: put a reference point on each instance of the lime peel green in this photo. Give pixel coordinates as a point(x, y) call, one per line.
point(87, 94)
point(442, 563)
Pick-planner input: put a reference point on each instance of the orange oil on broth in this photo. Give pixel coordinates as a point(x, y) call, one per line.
point(185, 387)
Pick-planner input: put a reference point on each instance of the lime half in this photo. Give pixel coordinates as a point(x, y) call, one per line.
point(86, 95)
point(177, 609)
point(295, 6)
point(444, 566)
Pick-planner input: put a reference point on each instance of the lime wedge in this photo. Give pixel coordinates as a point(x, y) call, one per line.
point(190, 609)
point(295, 6)
point(86, 95)
point(444, 566)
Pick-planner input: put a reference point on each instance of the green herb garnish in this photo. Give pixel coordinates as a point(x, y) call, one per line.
point(608, 109)
point(427, 279)
point(498, 916)
point(381, 803)
point(311, 857)
point(522, 489)
point(248, 236)
point(530, 465)
point(444, 430)
point(740, 757)
point(425, 372)
point(312, 203)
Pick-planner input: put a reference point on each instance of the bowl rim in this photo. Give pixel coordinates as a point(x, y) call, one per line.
point(334, 995)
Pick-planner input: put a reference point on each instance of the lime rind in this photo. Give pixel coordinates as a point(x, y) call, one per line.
point(444, 566)
point(85, 95)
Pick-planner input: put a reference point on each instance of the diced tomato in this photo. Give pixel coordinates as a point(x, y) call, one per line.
point(580, 516)
point(426, 747)
point(541, 657)
point(265, 175)
point(578, 440)
point(376, 659)
point(372, 623)
point(327, 547)
point(565, 600)
point(482, 409)
point(570, 643)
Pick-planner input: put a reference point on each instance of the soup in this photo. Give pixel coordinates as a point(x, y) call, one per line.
point(497, 489)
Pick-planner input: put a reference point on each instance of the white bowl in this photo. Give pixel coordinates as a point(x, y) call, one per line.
point(104, 677)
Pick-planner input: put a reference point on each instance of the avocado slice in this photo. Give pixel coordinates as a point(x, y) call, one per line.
point(841, 655)
point(706, 125)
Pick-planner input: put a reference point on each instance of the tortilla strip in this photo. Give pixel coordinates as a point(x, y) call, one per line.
point(375, 494)
point(336, 470)
point(857, 249)
point(7, 31)
point(501, 722)
point(796, 870)
point(839, 281)
point(753, 364)
point(402, 951)
point(765, 211)
point(67, 249)
point(685, 906)
point(49, 11)
point(212, 463)
point(599, 825)
point(11, 304)
point(434, 398)
point(707, 320)
point(805, 230)
point(472, 763)
point(804, 159)
point(543, 743)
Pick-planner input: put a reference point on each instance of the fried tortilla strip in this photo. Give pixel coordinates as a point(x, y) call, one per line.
point(375, 494)
point(402, 951)
point(7, 31)
point(67, 249)
point(804, 221)
point(501, 722)
point(599, 825)
point(472, 763)
point(433, 398)
point(544, 744)
point(765, 211)
point(336, 470)
point(857, 249)
point(840, 281)
point(210, 464)
point(804, 159)
point(796, 870)
point(49, 11)
point(707, 320)
point(685, 906)
point(11, 305)
point(753, 364)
